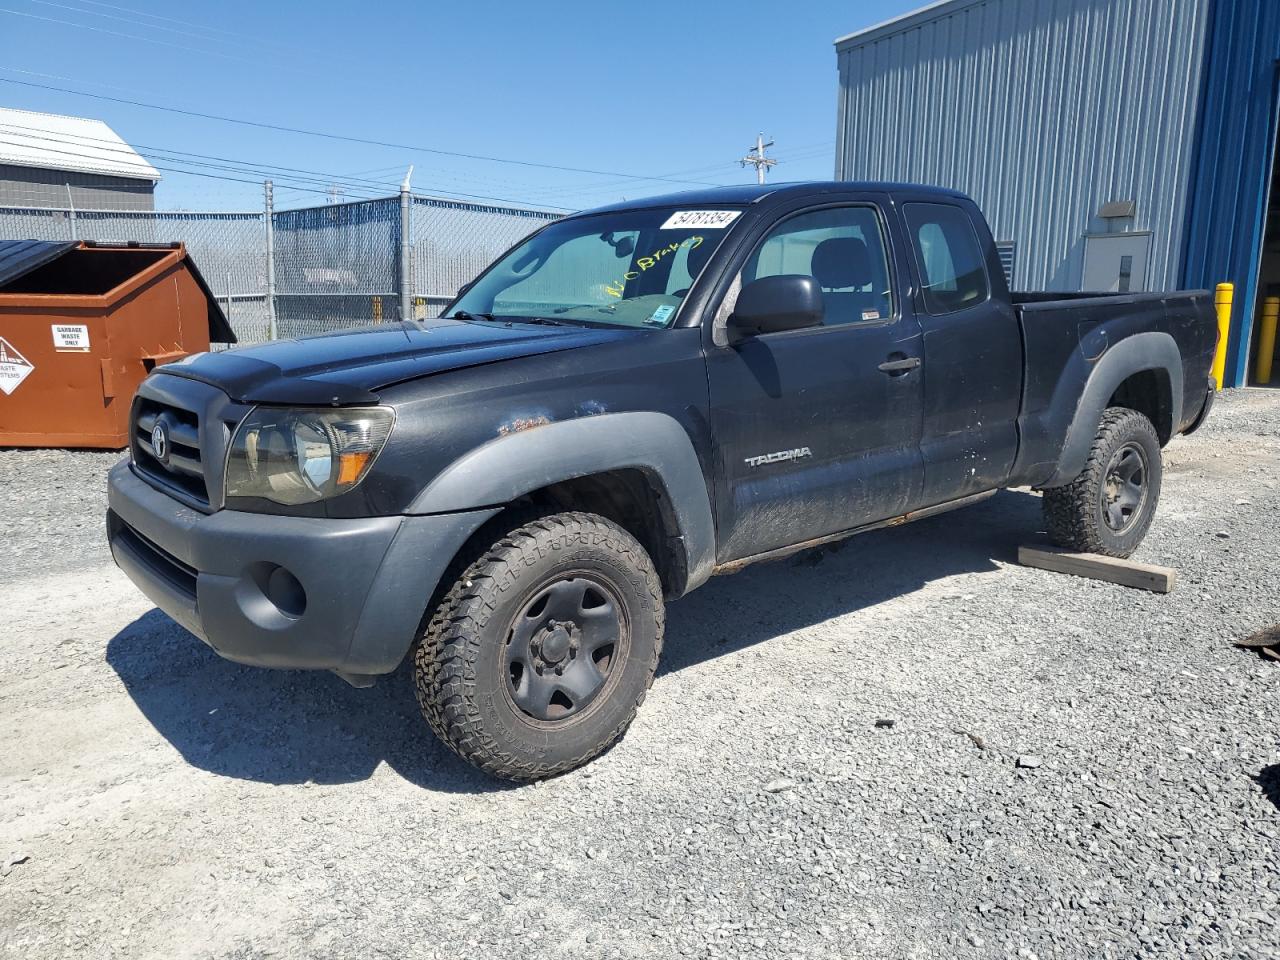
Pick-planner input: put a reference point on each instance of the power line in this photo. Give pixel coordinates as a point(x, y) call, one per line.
point(496, 182)
point(190, 173)
point(156, 16)
point(365, 188)
point(107, 145)
point(232, 35)
point(289, 178)
point(117, 33)
point(349, 139)
point(78, 152)
point(130, 20)
point(526, 190)
point(798, 153)
point(709, 169)
point(391, 168)
point(58, 76)
point(304, 181)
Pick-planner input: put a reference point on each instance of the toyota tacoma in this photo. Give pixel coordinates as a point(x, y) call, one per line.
point(627, 402)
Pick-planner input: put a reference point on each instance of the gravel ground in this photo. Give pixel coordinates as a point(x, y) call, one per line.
point(52, 510)
point(1073, 769)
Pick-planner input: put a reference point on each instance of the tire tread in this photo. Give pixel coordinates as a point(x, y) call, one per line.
point(445, 655)
point(1069, 513)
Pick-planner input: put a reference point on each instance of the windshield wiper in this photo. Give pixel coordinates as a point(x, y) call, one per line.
point(603, 308)
point(543, 321)
point(467, 315)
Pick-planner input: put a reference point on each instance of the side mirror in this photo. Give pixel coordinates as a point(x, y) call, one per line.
point(772, 304)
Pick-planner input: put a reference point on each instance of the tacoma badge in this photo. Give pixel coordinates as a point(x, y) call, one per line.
point(799, 453)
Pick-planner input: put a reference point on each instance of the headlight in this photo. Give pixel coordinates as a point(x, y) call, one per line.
point(292, 455)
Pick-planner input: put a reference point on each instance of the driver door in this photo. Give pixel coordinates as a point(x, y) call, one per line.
point(814, 435)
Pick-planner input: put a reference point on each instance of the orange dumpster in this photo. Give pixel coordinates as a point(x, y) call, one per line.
point(81, 324)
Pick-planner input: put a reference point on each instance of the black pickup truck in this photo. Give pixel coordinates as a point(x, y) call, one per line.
point(629, 401)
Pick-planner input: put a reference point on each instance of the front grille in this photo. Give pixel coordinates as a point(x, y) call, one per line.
point(182, 466)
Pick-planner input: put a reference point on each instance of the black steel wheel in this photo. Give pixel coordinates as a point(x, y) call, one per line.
point(1109, 506)
point(562, 645)
point(1123, 492)
point(540, 653)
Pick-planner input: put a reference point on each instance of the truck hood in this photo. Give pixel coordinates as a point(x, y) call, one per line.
point(351, 366)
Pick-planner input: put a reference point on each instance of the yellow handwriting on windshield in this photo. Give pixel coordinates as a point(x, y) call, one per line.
point(618, 287)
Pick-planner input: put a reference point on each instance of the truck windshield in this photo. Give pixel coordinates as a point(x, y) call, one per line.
point(628, 269)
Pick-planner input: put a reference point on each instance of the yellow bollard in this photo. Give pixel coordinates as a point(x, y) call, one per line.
point(1222, 301)
point(1267, 339)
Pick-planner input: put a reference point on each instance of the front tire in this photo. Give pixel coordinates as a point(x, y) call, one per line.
point(1109, 507)
point(538, 657)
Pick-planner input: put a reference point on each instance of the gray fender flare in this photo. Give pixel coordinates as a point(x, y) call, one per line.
point(1135, 354)
point(509, 467)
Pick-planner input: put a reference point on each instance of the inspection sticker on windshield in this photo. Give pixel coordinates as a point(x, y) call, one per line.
point(70, 337)
point(700, 219)
point(14, 367)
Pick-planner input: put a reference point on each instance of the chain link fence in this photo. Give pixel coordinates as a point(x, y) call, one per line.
point(451, 242)
point(335, 266)
point(229, 248)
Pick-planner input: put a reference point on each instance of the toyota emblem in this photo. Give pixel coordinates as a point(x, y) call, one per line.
point(160, 441)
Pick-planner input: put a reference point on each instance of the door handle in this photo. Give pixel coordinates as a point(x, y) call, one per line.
point(892, 367)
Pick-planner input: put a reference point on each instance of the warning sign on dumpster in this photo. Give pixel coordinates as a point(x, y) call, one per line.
point(70, 337)
point(14, 367)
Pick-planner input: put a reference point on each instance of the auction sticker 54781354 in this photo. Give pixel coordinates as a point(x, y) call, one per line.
point(14, 367)
point(700, 219)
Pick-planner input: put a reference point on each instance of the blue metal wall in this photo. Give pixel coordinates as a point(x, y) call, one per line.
point(1236, 141)
point(1041, 110)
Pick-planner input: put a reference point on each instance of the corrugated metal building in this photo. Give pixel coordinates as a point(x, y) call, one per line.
point(1114, 144)
point(48, 160)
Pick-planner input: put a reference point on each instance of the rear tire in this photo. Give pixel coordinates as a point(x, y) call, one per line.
point(538, 657)
point(1109, 507)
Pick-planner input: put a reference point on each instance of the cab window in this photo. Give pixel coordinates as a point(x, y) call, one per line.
point(843, 249)
point(953, 269)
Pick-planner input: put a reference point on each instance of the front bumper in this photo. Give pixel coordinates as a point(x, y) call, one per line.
point(277, 591)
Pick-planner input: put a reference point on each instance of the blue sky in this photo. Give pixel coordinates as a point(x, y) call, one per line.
point(652, 88)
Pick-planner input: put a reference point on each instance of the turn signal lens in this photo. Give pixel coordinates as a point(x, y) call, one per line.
point(351, 467)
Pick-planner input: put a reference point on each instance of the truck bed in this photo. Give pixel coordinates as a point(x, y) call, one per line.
point(1065, 334)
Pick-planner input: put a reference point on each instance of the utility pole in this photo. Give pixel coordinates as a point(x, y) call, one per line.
point(755, 156)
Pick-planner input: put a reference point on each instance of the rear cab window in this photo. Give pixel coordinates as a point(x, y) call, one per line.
point(949, 256)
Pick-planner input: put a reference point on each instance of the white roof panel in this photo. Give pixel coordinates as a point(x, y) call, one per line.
point(50, 141)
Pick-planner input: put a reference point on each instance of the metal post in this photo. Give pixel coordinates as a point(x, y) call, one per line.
point(269, 209)
point(1267, 340)
point(1222, 303)
point(406, 294)
point(71, 218)
point(228, 310)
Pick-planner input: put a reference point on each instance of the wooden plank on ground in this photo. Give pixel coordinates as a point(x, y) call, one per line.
point(1127, 573)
